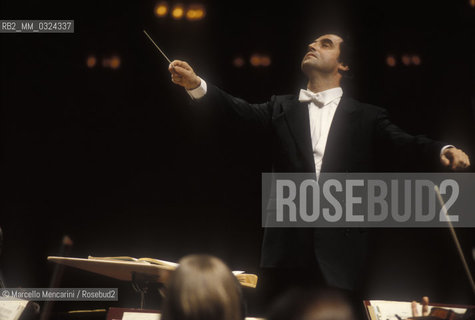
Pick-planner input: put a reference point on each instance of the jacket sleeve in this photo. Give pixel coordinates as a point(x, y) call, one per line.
point(404, 145)
point(257, 114)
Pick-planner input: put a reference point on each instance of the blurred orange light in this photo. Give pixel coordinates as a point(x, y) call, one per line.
point(259, 60)
point(200, 14)
point(391, 61)
point(416, 60)
point(178, 11)
point(406, 60)
point(238, 62)
point(472, 3)
point(190, 14)
point(195, 12)
point(161, 9)
point(114, 62)
point(255, 60)
point(265, 61)
point(91, 61)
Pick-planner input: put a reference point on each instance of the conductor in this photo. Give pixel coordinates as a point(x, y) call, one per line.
point(320, 129)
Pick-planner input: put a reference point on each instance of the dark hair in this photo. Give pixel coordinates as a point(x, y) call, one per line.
point(203, 288)
point(347, 53)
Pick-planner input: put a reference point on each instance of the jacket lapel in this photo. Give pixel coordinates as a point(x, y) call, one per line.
point(337, 154)
point(343, 130)
point(297, 118)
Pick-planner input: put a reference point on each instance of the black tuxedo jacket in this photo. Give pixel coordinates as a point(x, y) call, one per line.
point(359, 134)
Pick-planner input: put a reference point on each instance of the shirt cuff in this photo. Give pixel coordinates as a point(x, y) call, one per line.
point(445, 147)
point(199, 92)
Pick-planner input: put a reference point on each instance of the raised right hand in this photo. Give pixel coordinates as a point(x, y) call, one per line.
point(183, 75)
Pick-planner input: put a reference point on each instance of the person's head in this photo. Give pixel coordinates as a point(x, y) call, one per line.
point(203, 288)
point(327, 56)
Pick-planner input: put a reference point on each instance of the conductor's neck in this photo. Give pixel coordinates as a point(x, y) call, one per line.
point(321, 83)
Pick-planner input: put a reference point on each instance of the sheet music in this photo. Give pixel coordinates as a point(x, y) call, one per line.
point(156, 316)
point(391, 310)
point(12, 310)
point(140, 316)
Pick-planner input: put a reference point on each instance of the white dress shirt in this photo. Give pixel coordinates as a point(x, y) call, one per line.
point(321, 109)
point(199, 92)
point(321, 116)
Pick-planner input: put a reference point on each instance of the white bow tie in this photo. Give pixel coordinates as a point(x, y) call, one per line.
point(307, 96)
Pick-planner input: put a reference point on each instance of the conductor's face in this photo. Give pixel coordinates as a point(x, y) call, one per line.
point(323, 56)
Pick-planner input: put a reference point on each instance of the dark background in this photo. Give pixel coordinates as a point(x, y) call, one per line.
point(123, 164)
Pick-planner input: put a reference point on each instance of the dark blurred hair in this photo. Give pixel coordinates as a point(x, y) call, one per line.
point(203, 288)
point(347, 54)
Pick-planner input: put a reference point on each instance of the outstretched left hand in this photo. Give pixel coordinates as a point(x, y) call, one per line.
point(454, 158)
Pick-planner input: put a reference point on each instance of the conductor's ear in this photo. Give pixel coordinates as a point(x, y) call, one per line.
point(343, 67)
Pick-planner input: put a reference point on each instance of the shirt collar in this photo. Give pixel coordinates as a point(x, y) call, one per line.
point(329, 95)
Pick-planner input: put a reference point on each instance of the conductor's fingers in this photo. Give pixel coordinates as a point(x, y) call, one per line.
point(460, 161)
point(445, 161)
point(171, 69)
point(177, 79)
point(181, 71)
point(182, 64)
point(178, 72)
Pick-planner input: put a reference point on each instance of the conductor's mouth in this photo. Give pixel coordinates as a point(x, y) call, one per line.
point(311, 54)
